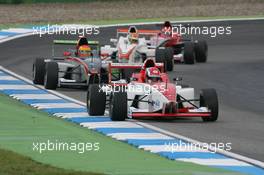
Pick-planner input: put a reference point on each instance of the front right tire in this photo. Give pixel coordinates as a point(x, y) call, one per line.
point(208, 98)
point(169, 58)
point(96, 100)
point(189, 54)
point(201, 51)
point(165, 55)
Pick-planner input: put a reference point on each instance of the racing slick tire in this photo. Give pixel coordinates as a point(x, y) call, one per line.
point(189, 53)
point(208, 98)
point(96, 100)
point(38, 71)
point(93, 79)
point(165, 55)
point(201, 50)
point(161, 56)
point(169, 58)
point(118, 106)
point(51, 75)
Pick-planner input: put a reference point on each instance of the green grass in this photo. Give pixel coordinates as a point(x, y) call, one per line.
point(22, 125)
point(16, 164)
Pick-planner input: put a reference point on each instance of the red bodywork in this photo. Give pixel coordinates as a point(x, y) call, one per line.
point(173, 40)
point(170, 93)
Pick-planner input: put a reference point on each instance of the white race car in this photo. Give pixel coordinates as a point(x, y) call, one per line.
point(150, 94)
point(73, 69)
point(130, 49)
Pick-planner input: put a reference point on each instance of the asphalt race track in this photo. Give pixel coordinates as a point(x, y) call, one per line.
point(235, 68)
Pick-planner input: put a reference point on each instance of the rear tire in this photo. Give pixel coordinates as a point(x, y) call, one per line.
point(39, 71)
point(118, 106)
point(169, 58)
point(201, 50)
point(208, 98)
point(189, 54)
point(51, 76)
point(96, 100)
point(160, 56)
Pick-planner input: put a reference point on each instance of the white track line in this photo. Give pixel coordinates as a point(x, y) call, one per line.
point(145, 136)
point(18, 87)
point(72, 115)
point(124, 124)
point(5, 39)
point(55, 105)
point(18, 30)
point(170, 148)
point(215, 162)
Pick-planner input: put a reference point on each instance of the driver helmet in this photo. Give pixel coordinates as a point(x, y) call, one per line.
point(167, 28)
point(153, 74)
point(133, 37)
point(84, 51)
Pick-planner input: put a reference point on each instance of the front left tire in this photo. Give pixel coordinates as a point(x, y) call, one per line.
point(201, 51)
point(51, 75)
point(118, 106)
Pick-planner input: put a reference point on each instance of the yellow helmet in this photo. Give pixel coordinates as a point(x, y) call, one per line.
point(133, 37)
point(84, 51)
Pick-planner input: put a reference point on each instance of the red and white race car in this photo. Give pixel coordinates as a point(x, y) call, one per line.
point(150, 94)
point(184, 50)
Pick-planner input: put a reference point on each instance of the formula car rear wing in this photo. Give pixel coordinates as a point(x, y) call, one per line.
point(132, 65)
point(93, 44)
point(141, 31)
point(73, 42)
point(126, 66)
